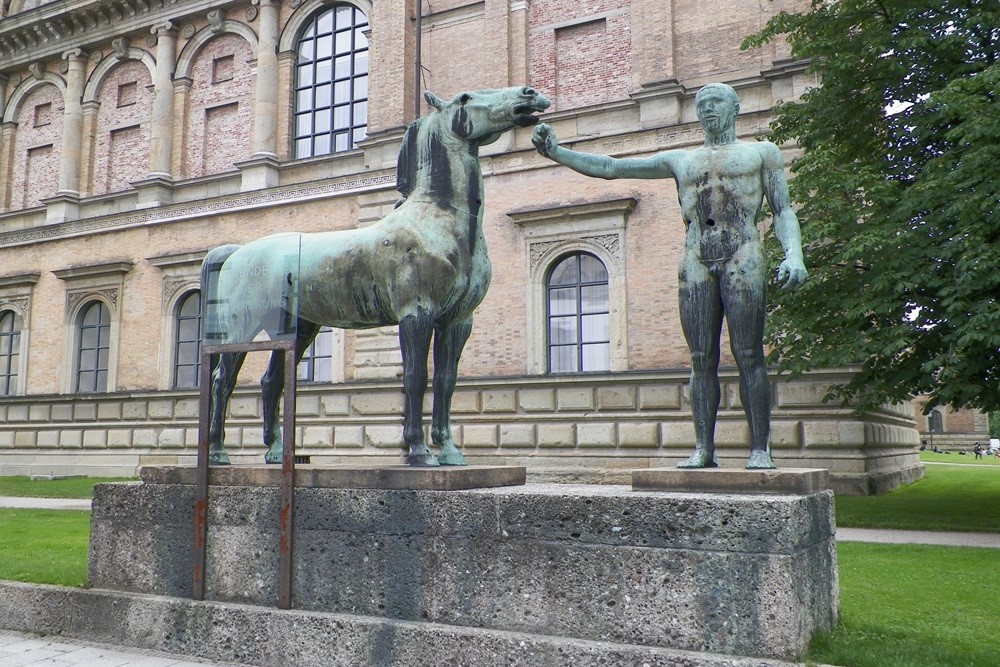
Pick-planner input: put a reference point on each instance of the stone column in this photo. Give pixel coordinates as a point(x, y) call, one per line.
point(391, 53)
point(266, 93)
point(162, 131)
point(7, 131)
point(261, 170)
point(72, 136)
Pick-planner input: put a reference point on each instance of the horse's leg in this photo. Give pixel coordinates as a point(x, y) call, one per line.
point(448, 344)
point(415, 332)
point(223, 379)
point(273, 383)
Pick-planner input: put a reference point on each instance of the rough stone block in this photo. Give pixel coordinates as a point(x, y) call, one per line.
point(239, 406)
point(785, 434)
point(144, 437)
point(119, 438)
point(17, 413)
point(62, 412)
point(95, 438)
point(109, 411)
point(134, 410)
point(480, 435)
point(638, 434)
point(25, 439)
point(616, 397)
point(517, 435)
point(171, 437)
point(384, 436)
point(349, 437)
point(377, 404)
point(499, 400)
point(677, 433)
point(317, 436)
point(557, 434)
point(536, 400)
point(39, 412)
point(186, 408)
point(601, 434)
point(84, 412)
point(47, 439)
point(658, 397)
point(71, 438)
point(575, 398)
point(307, 405)
point(165, 409)
point(335, 405)
point(465, 402)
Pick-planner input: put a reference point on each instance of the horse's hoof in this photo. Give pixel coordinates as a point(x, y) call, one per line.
point(423, 460)
point(273, 457)
point(451, 457)
point(760, 459)
point(218, 457)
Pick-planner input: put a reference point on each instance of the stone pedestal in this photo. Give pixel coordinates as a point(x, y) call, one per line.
point(749, 575)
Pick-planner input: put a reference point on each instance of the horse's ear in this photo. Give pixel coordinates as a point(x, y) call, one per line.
point(434, 100)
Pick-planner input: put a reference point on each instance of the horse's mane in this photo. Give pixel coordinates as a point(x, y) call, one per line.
point(406, 163)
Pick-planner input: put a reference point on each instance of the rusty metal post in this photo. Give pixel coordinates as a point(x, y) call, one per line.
point(287, 514)
point(201, 491)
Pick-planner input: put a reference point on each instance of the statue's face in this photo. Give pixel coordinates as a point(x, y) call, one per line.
point(716, 109)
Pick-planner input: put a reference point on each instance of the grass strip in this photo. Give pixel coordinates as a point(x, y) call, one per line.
point(949, 498)
point(67, 487)
point(44, 546)
point(968, 459)
point(913, 606)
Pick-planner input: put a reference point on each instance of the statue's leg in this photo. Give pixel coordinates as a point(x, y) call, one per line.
point(744, 297)
point(223, 379)
point(448, 344)
point(415, 332)
point(273, 383)
point(701, 321)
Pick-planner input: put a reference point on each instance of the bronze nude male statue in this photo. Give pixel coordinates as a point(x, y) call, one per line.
point(721, 186)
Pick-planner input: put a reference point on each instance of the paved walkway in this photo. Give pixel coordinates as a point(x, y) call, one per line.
point(44, 504)
point(20, 650)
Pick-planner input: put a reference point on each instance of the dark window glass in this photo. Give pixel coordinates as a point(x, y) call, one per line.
point(187, 345)
point(93, 348)
point(10, 353)
point(317, 361)
point(579, 336)
point(331, 80)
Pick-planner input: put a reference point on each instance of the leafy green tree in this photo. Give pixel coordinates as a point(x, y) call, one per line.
point(897, 192)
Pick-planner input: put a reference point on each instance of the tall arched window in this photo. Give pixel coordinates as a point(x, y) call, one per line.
point(317, 361)
point(331, 82)
point(578, 332)
point(10, 353)
point(93, 347)
point(187, 341)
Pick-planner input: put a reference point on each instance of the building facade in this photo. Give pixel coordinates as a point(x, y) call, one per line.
point(138, 135)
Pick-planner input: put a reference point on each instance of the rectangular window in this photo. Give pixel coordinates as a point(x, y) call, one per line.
point(222, 69)
point(128, 94)
point(43, 114)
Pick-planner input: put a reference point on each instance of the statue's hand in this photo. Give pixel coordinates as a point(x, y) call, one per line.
point(792, 272)
point(544, 139)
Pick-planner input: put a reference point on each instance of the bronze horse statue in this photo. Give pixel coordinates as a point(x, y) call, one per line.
point(424, 267)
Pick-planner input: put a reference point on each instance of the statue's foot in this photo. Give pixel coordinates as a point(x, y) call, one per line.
point(421, 457)
point(450, 456)
point(760, 459)
point(701, 458)
point(274, 454)
point(218, 457)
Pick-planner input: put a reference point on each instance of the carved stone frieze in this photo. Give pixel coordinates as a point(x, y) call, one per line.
point(73, 298)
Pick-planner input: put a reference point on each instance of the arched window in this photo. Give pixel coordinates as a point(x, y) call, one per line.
point(10, 353)
point(317, 362)
point(331, 82)
point(578, 332)
point(935, 421)
point(187, 341)
point(93, 347)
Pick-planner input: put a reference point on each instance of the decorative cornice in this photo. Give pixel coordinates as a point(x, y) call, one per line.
point(545, 216)
point(94, 271)
point(48, 30)
point(19, 280)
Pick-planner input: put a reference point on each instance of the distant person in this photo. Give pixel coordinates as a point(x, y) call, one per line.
point(923, 445)
point(978, 450)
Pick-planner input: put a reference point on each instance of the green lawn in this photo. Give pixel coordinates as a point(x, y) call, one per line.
point(954, 457)
point(914, 606)
point(962, 498)
point(44, 546)
point(70, 487)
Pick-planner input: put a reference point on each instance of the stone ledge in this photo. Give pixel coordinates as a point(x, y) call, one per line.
point(399, 477)
point(782, 481)
point(260, 636)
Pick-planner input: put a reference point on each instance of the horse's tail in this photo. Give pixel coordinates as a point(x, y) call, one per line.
point(210, 268)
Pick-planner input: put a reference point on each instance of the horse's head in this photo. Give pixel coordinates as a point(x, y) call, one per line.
point(480, 117)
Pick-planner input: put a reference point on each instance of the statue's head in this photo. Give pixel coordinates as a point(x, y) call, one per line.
point(717, 105)
point(481, 116)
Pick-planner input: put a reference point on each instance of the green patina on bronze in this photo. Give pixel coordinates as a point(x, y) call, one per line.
point(723, 272)
point(424, 267)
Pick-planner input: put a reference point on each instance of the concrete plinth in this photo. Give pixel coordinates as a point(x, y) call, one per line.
point(732, 574)
point(781, 481)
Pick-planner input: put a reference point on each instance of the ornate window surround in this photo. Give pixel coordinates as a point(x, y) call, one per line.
point(84, 284)
point(15, 296)
point(596, 227)
point(180, 275)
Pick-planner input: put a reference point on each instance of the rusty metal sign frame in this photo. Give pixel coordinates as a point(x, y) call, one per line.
point(287, 511)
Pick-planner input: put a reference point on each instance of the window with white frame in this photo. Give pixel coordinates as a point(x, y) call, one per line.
point(187, 341)
point(579, 337)
point(93, 347)
point(316, 364)
point(331, 82)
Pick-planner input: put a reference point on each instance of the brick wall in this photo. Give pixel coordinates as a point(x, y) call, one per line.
point(121, 142)
point(221, 78)
point(37, 146)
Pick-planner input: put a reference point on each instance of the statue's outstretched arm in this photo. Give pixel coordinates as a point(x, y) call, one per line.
point(792, 271)
point(600, 166)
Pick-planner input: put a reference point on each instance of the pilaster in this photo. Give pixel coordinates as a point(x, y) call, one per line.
point(72, 136)
point(392, 80)
point(162, 130)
